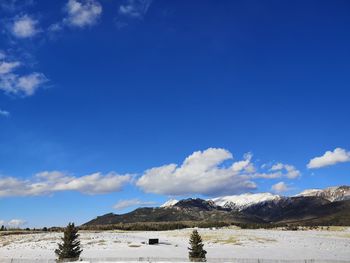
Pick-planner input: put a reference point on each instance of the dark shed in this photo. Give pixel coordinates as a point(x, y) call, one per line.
point(153, 241)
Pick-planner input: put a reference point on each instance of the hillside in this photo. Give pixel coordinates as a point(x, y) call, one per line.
point(184, 210)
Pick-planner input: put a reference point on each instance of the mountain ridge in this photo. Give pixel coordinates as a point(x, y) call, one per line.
point(240, 202)
point(322, 206)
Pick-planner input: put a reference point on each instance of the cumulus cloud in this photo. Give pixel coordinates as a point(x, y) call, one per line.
point(24, 27)
point(4, 113)
point(81, 13)
point(329, 158)
point(14, 83)
point(202, 172)
point(122, 204)
point(45, 183)
point(134, 8)
point(280, 187)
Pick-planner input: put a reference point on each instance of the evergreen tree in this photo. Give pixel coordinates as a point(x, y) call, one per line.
point(2, 228)
point(196, 251)
point(70, 248)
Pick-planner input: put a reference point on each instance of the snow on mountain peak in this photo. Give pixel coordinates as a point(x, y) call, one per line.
point(240, 202)
point(337, 193)
point(169, 203)
point(244, 200)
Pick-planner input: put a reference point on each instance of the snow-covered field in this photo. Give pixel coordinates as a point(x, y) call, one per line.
point(226, 243)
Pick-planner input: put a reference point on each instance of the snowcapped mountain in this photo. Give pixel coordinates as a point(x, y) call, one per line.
point(243, 201)
point(234, 202)
point(332, 194)
point(170, 203)
point(239, 202)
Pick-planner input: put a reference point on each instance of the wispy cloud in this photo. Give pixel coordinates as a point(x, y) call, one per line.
point(122, 204)
point(7, 67)
point(329, 158)
point(81, 13)
point(279, 170)
point(4, 113)
point(25, 85)
point(15, 83)
point(45, 183)
point(134, 8)
point(15, 5)
point(24, 27)
point(290, 171)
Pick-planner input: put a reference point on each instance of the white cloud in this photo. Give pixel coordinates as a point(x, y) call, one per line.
point(280, 170)
point(290, 171)
point(45, 183)
point(122, 204)
point(16, 223)
point(23, 85)
point(28, 84)
point(81, 13)
point(134, 8)
point(13, 223)
point(202, 172)
point(339, 155)
point(280, 187)
point(7, 67)
point(4, 113)
point(18, 84)
point(15, 83)
point(24, 27)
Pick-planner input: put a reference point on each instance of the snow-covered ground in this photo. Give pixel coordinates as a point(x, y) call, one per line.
point(331, 244)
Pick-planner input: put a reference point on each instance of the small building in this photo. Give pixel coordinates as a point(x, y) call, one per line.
point(153, 241)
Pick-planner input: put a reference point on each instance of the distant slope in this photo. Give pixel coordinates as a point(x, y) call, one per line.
point(288, 209)
point(184, 210)
point(335, 213)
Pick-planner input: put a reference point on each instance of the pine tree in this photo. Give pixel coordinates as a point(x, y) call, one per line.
point(2, 228)
point(70, 248)
point(196, 251)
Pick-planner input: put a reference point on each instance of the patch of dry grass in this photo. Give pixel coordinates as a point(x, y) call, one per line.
point(134, 245)
point(217, 238)
point(262, 239)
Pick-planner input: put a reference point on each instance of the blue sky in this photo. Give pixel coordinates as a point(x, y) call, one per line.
point(110, 105)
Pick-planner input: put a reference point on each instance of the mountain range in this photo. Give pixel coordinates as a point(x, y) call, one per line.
point(330, 206)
